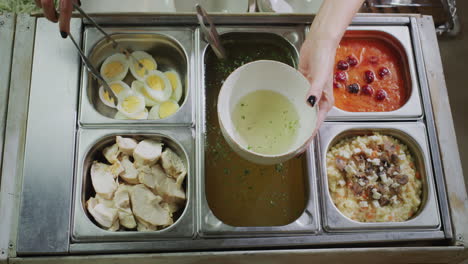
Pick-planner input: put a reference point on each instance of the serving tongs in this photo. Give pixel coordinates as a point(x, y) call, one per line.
point(115, 45)
point(211, 34)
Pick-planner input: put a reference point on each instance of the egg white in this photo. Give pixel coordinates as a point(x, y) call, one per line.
point(117, 93)
point(137, 56)
point(158, 95)
point(139, 88)
point(140, 104)
point(140, 116)
point(176, 85)
point(118, 57)
point(155, 112)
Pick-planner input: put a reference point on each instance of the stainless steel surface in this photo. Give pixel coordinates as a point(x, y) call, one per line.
point(92, 141)
point(321, 239)
point(49, 147)
point(419, 41)
point(172, 49)
point(210, 33)
point(412, 135)
point(15, 128)
point(445, 133)
point(399, 38)
point(96, 74)
point(7, 32)
point(210, 225)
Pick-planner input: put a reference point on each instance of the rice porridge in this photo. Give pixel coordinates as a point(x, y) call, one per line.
point(373, 178)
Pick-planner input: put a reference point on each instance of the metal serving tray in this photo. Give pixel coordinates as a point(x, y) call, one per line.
point(210, 225)
point(173, 49)
point(411, 134)
point(91, 141)
point(399, 38)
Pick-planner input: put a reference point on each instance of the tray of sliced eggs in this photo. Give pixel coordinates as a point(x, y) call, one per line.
point(151, 84)
point(152, 94)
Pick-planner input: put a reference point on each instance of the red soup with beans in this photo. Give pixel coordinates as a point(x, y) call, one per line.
point(369, 76)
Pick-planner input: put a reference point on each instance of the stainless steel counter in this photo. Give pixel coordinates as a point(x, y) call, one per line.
point(48, 220)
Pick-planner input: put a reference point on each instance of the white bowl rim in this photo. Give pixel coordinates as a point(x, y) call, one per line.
point(291, 151)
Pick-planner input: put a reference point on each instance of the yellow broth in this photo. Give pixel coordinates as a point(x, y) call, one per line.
point(241, 193)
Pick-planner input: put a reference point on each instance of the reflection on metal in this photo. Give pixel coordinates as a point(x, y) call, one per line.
point(7, 181)
point(50, 140)
point(15, 130)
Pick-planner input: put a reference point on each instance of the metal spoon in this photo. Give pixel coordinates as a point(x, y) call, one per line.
point(211, 35)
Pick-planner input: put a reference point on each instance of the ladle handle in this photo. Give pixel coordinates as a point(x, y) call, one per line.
point(211, 35)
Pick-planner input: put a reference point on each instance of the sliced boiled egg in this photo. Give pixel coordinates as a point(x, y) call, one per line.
point(141, 58)
point(139, 88)
point(131, 104)
point(176, 84)
point(158, 86)
point(164, 110)
point(119, 88)
point(140, 116)
point(115, 68)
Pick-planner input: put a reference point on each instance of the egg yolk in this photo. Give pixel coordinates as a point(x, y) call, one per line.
point(131, 104)
point(155, 83)
point(108, 98)
point(167, 109)
point(173, 79)
point(112, 69)
point(148, 65)
point(116, 88)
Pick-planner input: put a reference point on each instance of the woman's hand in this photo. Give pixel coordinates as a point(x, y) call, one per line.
point(316, 64)
point(318, 54)
point(66, 9)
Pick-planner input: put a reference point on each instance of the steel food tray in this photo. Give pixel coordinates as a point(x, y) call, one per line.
point(399, 38)
point(412, 135)
point(91, 141)
point(210, 225)
point(173, 49)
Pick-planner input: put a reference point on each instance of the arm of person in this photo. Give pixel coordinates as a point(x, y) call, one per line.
point(66, 9)
point(317, 54)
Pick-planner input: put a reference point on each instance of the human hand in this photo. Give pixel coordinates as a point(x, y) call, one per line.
point(316, 62)
point(66, 9)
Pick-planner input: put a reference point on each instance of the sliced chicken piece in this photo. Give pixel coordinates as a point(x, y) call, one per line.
point(122, 203)
point(143, 226)
point(146, 206)
point(126, 145)
point(171, 207)
point(167, 187)
point(111, 153)
point(103, 200)
point(116, 169)
point(103, 180)
point(115, 226)
point(147, 152)
point(173, 165)
point(130, 174)
point(145, 176)
point(105, 216)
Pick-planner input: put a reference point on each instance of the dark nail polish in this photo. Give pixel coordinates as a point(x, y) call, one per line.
point(312, 100)
point(79, 2)
point(64, 34)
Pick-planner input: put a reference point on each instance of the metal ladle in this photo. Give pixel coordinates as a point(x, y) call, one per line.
point(211, 34)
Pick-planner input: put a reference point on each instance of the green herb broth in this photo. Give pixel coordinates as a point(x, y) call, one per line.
point(241, 193)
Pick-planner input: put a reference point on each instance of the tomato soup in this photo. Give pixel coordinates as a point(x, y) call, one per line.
point(369, 76)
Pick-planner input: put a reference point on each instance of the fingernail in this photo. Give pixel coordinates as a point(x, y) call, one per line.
point(79, 2)
point(64, 34)
point(312, 100)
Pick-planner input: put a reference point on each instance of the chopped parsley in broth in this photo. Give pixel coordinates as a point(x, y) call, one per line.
point(241, 193)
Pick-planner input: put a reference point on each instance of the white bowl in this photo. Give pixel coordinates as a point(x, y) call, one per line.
point(273, 76)
point(220, 6)
point(290, 6)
